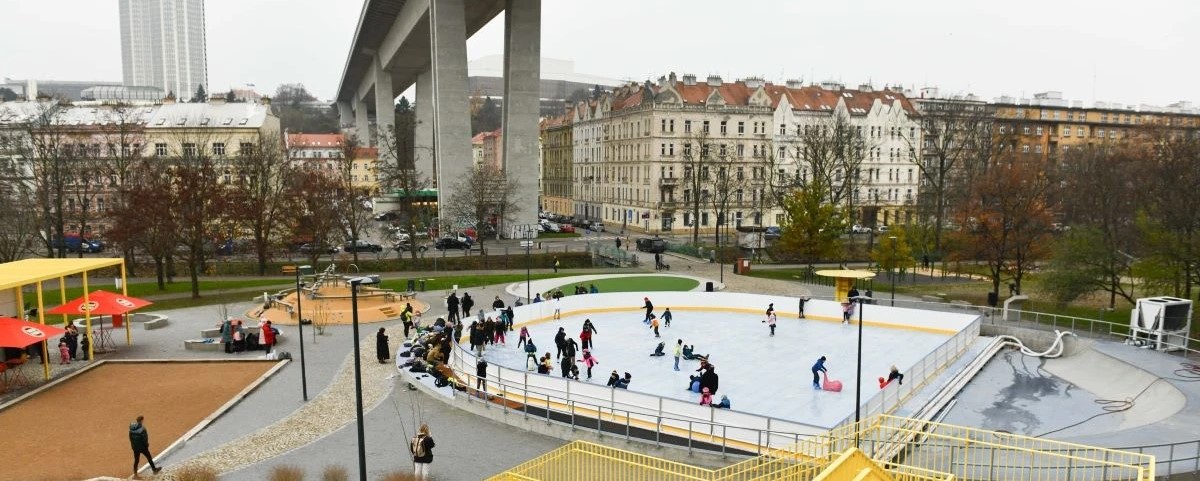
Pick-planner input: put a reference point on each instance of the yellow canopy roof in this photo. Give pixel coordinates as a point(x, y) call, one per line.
point(31, 271)
point(849, 274)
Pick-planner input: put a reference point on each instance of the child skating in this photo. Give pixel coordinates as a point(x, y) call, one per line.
point(678, 353)
point(817, 369)
point(588, 361)
point(666, 317)
point(654, 325)
point(771, 322)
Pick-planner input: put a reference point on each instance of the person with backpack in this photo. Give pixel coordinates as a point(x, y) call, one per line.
point(467, 303)
point(530, 354)
point(421, 448)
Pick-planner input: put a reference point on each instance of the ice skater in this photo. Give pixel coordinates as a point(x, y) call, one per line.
point(560, 342)
point(649, 309)
point(523, 337)
point(846, 308)
point(589, 360)
point(770, 310)
point(678, 353)
point(666, 317)
point(771, 322)
point(557, 308)
point(894, 375)
point(803, 300)
point(817, 369)
point(705, 397)
point(590, 330)
point(654, 325)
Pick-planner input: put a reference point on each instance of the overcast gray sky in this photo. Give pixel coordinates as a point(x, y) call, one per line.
point(1143, 52)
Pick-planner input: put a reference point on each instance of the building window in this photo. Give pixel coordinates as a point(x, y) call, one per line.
point(704, 127)
point(782, 153)
point(724, 128)
point(741, 128)
point(1039, 130)
point(782, 129)
point(1079, 132)
point(741, 150)
point(219, 149)
point(1026, 130)
point(1037, 149)
point(189, 149)
point(1100, 133)
point(1024, 149)
point(663, 127)
point(671, 124)
point(160, 149)
point(1066, 131)
point(671, 150)
point(687, 126)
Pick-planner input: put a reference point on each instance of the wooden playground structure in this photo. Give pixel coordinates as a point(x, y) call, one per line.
point(326, 300)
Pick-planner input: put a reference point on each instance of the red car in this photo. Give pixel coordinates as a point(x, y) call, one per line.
point(567, 228)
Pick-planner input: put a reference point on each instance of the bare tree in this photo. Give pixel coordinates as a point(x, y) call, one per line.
point(834, 150)
point(148, 219)
point(200, 200)
point(1169, 224)
point(726, 188)
point(952, 133)
point(124, 136)
point(86, 181)
point(398, 174)
point(260, 196)
point(45, 144)
point(18, 219)
point(354, 199)
point(313, 200)
point(483, 198)
point(698, 151)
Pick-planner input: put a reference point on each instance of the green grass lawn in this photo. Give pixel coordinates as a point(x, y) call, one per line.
point(446, 282)
point(557, 235)
point(637, 284)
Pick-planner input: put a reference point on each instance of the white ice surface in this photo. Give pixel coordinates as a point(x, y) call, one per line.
point(764, 375)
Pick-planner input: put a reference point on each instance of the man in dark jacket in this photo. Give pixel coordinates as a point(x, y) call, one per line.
point(481, 374)
point(467, 303)
point(139, 440)
point(452, 306)
point(560, 342)
point(497, 304)
point(649, 309)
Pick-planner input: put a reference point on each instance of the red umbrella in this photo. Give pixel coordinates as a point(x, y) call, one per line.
point(101, 303)
point(18, 333)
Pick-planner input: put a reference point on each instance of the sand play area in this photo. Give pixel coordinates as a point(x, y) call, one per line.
point(332, 303)
point(79, 428)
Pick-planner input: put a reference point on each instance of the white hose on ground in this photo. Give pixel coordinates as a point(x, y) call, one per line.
point(1056, 349)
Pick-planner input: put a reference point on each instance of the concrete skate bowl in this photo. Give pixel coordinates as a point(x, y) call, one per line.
point(77, 426)
point(774, 404)
point(330, 302)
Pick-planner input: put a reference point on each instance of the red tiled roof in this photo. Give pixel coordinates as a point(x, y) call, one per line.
point(804, 98)
point(315, 140)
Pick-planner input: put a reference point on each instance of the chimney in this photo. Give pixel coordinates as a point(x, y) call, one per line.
point(753, 82)
point(662, 80)
point(865, 88)
point(794, 84)
point(671, 79)
point(689, 79)
point(31, 90)
point(714, 81)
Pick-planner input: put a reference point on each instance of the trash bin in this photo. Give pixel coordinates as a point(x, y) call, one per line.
point(993, 299)
point(708, 286)
point(412, 285)
point(742, 266)
point(422, 284)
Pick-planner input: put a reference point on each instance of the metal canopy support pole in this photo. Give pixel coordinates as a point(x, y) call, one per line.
point(87, 318)
point(42, 320)
point(125, 292)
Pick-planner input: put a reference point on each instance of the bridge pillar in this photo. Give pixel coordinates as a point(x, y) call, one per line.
point(362, 124)
point(451, 120)
point(345, 114)
point(423, 131)
point(522, 105)
point(385, 101)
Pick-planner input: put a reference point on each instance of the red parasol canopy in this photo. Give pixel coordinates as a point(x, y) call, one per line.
point(101, 303)
point(18, 333)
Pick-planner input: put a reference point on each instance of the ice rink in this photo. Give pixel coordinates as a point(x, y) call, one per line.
point(769, 376)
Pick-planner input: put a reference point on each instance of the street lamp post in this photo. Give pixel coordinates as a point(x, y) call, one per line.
point(300, 330)
point(528, 277)
point(895, 267)
point(858, 375)
point(358, 401)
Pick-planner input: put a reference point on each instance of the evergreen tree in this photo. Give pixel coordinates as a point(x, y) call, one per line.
point(230, 97)
point(403, 107)
point(487, 118)
point(201, 95)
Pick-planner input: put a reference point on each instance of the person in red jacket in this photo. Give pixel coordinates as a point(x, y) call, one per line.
point(266, 335)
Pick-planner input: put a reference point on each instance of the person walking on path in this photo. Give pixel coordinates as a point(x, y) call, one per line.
point(556, 264)
point(649, 309)
point(421, 448)
point(678, 353)
point(406, 318)
point(467, 303)
point(667, 317)
point(452, 307)
point(139, 440)
point(817, 369)
point(381, 346)
point(266, 334)
point(771, 322)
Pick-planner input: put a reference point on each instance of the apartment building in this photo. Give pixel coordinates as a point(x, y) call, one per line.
point(1047, 125)
point(632, 149)
point(324, 153)
point(556, 169)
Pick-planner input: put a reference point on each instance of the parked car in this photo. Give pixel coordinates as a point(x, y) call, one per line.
point(406, 246)
point(553, 227)
point(388, 216)
point(773, 233)
point(314, 247)
point(883, 229)
point(860, 229)
point(654, 246)
point(74, 243)
point(361, 246)
point(567, 228)
point(598, 226)
point(451, 243)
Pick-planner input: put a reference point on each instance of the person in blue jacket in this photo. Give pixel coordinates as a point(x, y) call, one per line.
point(817, 369)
